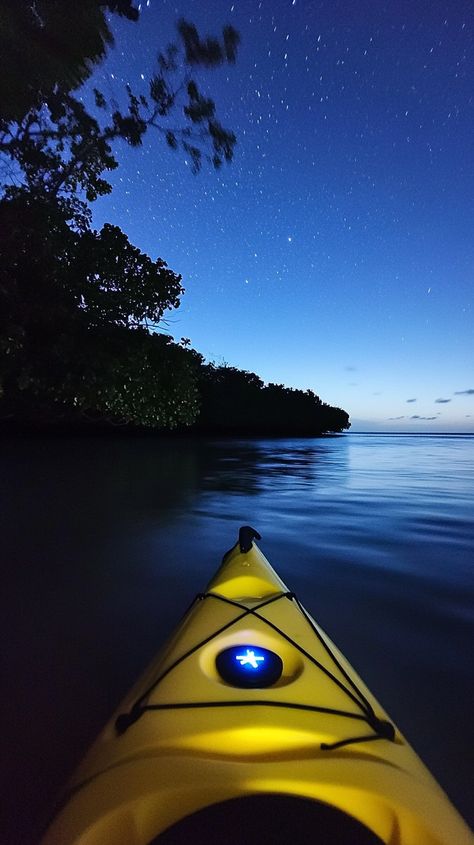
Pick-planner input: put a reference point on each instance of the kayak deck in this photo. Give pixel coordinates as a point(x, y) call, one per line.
point(247, 601)
point(251, 698)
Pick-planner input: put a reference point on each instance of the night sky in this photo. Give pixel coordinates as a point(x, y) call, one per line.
point(336, 252)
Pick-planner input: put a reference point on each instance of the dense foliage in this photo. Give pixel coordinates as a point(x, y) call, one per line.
point(236, 401)
point(74, 310)
point(39, 54)
point(79, 308)
point(50, 141)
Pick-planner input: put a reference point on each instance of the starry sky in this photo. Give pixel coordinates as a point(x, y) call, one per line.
point(336, 252)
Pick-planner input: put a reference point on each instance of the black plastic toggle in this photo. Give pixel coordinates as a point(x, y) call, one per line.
point(383, 728)
point(246, 536)
point(125, 720)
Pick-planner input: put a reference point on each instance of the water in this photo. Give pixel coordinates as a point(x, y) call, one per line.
point(106, 540)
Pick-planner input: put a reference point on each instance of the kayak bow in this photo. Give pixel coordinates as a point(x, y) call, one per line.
point(251, 700)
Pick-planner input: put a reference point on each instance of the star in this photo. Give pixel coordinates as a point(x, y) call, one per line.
point(250, 659)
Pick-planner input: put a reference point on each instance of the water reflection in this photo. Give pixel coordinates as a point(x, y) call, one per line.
point(105, 541)
point(256, 466)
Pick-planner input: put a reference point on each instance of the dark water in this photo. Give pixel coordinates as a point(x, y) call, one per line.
point(105, 542)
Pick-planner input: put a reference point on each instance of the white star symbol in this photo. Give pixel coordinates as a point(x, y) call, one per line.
point(250, 659)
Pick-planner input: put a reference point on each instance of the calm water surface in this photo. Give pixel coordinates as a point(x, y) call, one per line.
point(105, 541)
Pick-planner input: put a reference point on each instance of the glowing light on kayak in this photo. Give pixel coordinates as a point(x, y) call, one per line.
point(249, 666)
point(250, 659)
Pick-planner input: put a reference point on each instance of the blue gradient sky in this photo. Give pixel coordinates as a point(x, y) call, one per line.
point(337, 251)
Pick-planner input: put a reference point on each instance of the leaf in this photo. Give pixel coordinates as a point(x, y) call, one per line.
point(100, 100)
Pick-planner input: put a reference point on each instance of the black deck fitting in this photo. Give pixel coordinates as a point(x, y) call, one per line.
point(246, 537)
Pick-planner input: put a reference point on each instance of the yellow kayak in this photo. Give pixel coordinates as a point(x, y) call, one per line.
point(251, 725)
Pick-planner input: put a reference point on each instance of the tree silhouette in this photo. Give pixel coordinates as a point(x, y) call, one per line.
point(238, 402)
point(51, 143)
point(77, 306)
point(51, 43)
point(74, 311)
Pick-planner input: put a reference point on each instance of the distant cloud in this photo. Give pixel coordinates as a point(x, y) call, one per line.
point(469, 392)
point(417, 417)
point(350, 369)
point(411, 400)
point(395, 418)
point(442, 401)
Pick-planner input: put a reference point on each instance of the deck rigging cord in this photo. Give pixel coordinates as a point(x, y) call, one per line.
point(382, 729)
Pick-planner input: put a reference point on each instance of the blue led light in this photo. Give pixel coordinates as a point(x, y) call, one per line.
point(250, 660)
point(247, 665)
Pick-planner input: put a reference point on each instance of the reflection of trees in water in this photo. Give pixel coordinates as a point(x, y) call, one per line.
point(76, 486)
point(259, 466)
point(109, 481)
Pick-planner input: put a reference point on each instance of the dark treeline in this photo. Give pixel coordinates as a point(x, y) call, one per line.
point(81, 311)
point(238, 402)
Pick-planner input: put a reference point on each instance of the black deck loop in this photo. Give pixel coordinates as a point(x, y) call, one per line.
point(383, 728)
point(125, 720)
point(247, 535)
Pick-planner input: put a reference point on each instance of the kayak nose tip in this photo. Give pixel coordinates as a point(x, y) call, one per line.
point(247, 535)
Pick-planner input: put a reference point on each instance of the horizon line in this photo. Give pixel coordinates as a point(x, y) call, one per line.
point(424, 433)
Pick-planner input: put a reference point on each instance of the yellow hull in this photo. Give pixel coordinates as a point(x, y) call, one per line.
point(189, 735)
